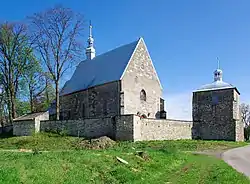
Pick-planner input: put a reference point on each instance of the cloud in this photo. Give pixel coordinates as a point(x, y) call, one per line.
point(179, 106)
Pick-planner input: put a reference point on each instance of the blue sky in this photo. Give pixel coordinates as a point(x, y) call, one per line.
point(184, 38)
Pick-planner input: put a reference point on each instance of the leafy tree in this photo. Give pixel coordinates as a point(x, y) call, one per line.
point(14, 50)
point(22, 107)
point(43, 101)
point(35, 80)
point(56, 34)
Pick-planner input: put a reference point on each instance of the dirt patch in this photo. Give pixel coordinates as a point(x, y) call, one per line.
point(99, 143)
point(186, 168)
point(215, 153)
point(143, 155)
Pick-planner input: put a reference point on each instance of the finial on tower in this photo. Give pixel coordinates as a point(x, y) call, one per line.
point(90, 29)
point(90, 50)
point(218, 72)
point(218, 63)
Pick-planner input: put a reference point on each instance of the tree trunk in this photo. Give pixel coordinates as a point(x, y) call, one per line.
point(31, 100)
point(9, 106)
point(57, 101)
point(13, 105)
point(46, 92)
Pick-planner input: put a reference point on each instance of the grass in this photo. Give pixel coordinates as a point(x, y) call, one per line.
point(165, 162)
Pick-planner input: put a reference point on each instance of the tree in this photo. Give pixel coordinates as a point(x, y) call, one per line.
point(35, 80)
point(3, 109)
point(245, 116)
point(43, 101)
point(56, 32)
point(245, 113)
point(14, 49)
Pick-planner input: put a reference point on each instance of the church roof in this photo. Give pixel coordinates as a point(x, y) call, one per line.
point(102, 69)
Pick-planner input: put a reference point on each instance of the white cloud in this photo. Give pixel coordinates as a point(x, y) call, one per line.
point(179, 106)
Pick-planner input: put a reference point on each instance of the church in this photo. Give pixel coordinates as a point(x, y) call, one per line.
point(119, 82)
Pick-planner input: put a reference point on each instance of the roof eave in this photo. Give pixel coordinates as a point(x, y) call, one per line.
point(204, 90)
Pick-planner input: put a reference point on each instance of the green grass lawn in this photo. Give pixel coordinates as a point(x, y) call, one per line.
point(164, 162)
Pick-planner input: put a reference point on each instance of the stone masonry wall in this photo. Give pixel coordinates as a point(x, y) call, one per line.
point(156, 129)
point(215, 115)
point(140, 75)
point(23, 128)
point(95, 102)
point(125, 127)
point(239, 124)
point(89, 128)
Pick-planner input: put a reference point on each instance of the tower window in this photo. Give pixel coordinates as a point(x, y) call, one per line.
point(143, 96)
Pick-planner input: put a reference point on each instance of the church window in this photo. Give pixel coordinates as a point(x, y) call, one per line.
point(143, 96)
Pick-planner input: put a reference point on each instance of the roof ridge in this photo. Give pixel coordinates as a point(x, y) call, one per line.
point(115, 49)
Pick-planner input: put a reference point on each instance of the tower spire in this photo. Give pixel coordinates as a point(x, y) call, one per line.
point(90, 29)
point(90, 50)
point(218, 63)
point(218, 72)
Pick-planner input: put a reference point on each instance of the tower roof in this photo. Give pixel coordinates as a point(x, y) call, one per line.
point(217, 84)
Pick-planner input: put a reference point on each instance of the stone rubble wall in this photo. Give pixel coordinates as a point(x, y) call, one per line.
point(216, 115)
point(23, 128)
point(157, 129)
point(125, 127)
point(95, 102)
point(89, 128)
point(141, 75)
point(6, 129)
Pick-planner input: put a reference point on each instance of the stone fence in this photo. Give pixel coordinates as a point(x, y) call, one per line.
point(6, 129)
point(90, 128)
point(125, 127)
point(24, 128)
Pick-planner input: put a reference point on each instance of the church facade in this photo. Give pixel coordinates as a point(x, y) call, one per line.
point(120, 81)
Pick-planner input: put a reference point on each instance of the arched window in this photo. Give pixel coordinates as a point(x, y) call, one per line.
point(143, 96)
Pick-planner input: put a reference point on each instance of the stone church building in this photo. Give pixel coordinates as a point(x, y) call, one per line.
point(118, 94)
point(120, 81)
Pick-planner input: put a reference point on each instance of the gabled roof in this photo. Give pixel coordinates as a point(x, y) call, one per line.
point(102, 69)
point(30, 116)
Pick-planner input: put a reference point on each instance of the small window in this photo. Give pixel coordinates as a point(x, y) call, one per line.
point(143, 96)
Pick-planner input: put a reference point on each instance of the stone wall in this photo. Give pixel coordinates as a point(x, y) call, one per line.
point(23, 128)
point(95, 102)
point(89, 128)
point(124, 127)
point(216, 115)
point(140, 75)
point(6, 129)
point(155, 129)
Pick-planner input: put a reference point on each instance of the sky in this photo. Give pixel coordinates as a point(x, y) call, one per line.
point(184, 39)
